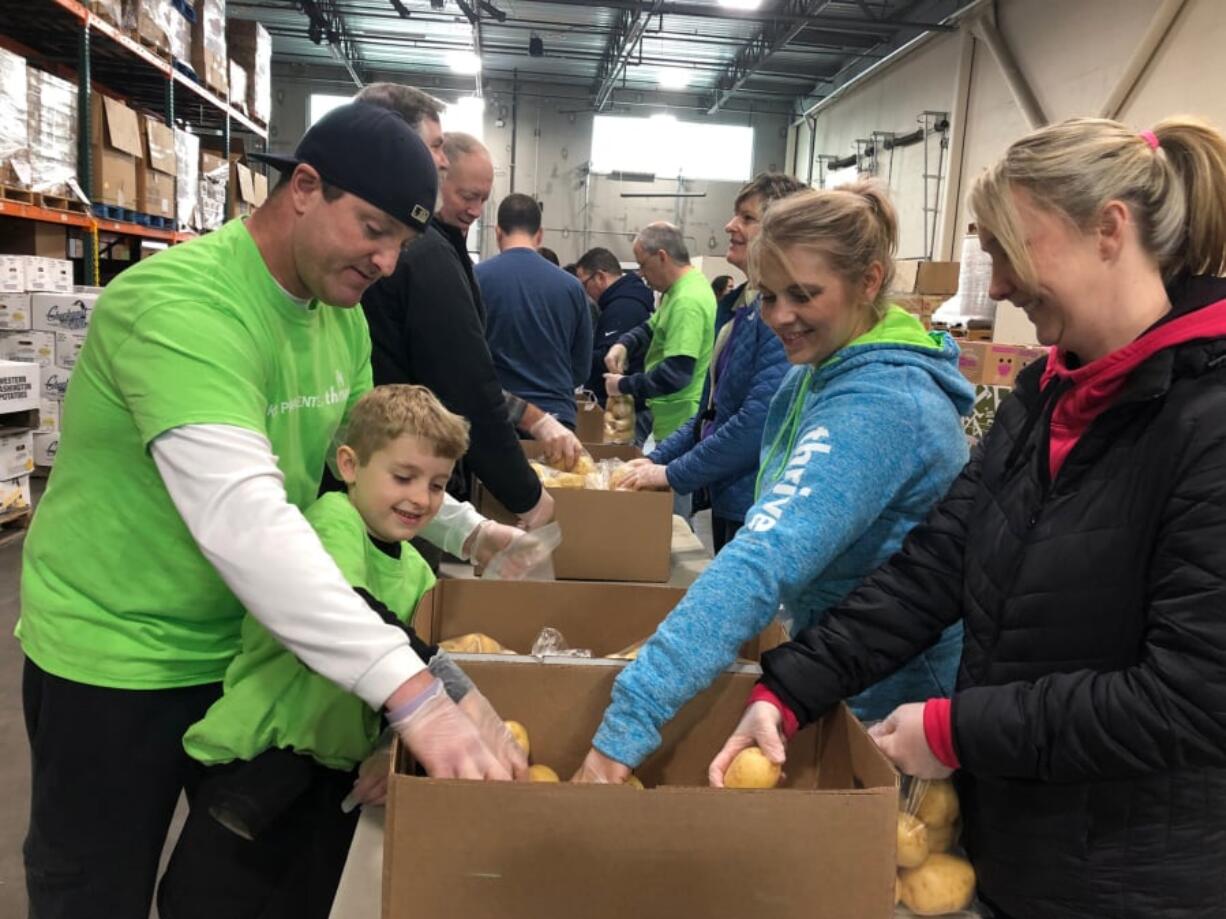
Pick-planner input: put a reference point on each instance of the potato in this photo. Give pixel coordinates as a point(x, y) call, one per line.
point(566, 480)
point(473, 643)
point(941, 838)
point(897, 891)
point(629, 653)
point(539, 773)
point(520, 733)
point(584, 465)
point(620, 408)
point(939, 806)
point(634, 782)
point(619, 475)
point(912, 841)
point(751, 769)
point(942, 884)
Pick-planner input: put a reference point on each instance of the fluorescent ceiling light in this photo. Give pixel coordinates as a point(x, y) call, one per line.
point(673, 77)
point(741, 4)
point(464, 62)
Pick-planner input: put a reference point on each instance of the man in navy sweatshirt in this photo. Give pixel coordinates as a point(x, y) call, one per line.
point(625, 302)
point(538, 325)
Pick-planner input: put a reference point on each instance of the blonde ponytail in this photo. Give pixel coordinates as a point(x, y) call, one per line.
point(1176, 190)
point(851, 227)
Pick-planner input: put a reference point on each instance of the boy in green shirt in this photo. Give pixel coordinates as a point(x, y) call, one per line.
point(266, 835)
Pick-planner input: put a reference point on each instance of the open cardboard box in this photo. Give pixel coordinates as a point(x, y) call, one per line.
point(819, 847)
point(606, 535)
point(604, 618)
point(115, 140)
point(589, 419)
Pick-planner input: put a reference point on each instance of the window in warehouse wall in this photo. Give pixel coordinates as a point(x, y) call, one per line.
point(321, 104)
point(666, 148)
point(466, 114)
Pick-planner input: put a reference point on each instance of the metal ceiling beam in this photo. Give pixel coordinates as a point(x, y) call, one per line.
point(328, 26)
point(699, 11)
point(625, 37)
point(793, 17)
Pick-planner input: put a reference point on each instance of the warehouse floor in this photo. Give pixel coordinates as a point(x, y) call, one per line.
point(15, 762)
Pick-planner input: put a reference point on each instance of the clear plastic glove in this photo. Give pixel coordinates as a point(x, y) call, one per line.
point(488, 540)
point(902, 739)
point(613, 384)
point(761, 725)
point(615, 359)
point(561, 446)
point(541, 514)
point(443, 739)
point(527, 556)
point(644, 475)
point(495, 735)
point(370, 788)
point(598, 769)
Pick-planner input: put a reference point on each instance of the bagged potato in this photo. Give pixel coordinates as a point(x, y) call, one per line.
point(942, 884)
point(473, 643)
point(630, 653)
point(619, 420)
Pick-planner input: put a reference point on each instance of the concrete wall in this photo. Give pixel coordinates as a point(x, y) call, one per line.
point(1071, 53)
point(553, 130)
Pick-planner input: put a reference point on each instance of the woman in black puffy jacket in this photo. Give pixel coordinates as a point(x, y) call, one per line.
point(1083, 546)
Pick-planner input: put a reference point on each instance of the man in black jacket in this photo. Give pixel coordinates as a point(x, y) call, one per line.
point(427, 326)
point(625, 303)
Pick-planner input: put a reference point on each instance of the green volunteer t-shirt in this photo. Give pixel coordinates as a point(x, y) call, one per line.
point(684, 325)
point(114, 590)
point(272, 699)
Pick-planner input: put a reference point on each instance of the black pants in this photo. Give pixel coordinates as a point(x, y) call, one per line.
point(289, 871)
point(722, 530)
point(107, 769)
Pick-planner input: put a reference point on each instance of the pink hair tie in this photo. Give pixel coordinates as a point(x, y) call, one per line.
point(1150, 138)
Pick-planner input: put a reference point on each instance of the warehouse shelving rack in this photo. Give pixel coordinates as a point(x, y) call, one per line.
point(70, 40)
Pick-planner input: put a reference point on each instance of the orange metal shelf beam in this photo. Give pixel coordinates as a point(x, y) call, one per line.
point(71, 218)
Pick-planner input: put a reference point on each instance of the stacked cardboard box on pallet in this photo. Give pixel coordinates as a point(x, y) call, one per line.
point(921, 286)
point(187, 179)
point(250, 45)
point(209, 45)
point(155, 172)
point(214, 175)
point(159, 24)
point(14, 121)
point(52, 127)
point(115, 148)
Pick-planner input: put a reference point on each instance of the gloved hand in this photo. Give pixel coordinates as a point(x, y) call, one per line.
point(541, 513)
point(644, 475)
point(488, 539)
point(762, 724)
point(442, 738)
point(613, 384)
point(562, 447)
point(491, 728)
point(598, 769)
point(526, 553)
point(615, 358)
point(902, 739)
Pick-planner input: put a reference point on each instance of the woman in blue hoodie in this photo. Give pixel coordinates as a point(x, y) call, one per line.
point(718, 448)
point(863, 437)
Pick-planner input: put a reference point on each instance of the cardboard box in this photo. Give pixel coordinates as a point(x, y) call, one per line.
point(45, 446)
point(19, 386)
point(28, 347)
point(53, 123)
point(15, 495)
point(249, 43)
point(973, 359)
point(603, 618)
point(919, 276)
point(15, 311)
point(55, 382)
point(209, 45)
point(589, 421)
point(62, 312)
point(242, 198)
point(68, 347)
point(110, 10)
point(16, 454)
point(12, 274)
point(518, 850)
point(1005, 362)
point(14, 120)
point(155, 173)
point(34, 237)
point(214, 179)
point(116, 147)
point(48, 416)
point(606, 535)
point(238, 86)
point(48, 274)
point(260, 184)
point(187, 179)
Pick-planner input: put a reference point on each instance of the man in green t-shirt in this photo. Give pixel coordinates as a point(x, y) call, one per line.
point(268, 833)
point(212, 383)
point(677, 338)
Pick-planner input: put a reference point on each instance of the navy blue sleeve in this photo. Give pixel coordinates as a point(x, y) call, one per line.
point(667, 377)
point(637, 339)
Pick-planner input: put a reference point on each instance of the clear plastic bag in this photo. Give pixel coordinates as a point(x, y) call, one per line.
point(551, 643)
point(934, 876)
point(529, 557)
point(619, 420)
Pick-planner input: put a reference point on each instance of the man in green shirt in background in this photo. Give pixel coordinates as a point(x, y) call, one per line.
point(677, 338)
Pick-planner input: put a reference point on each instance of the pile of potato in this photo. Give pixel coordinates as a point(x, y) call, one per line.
point(607, 475)
point(539, 772)
point(931, 882)
point(619, 420)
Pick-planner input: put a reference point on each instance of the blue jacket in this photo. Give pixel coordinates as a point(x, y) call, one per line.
point(855, 453)
point(626, 304)
point(727, 460)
